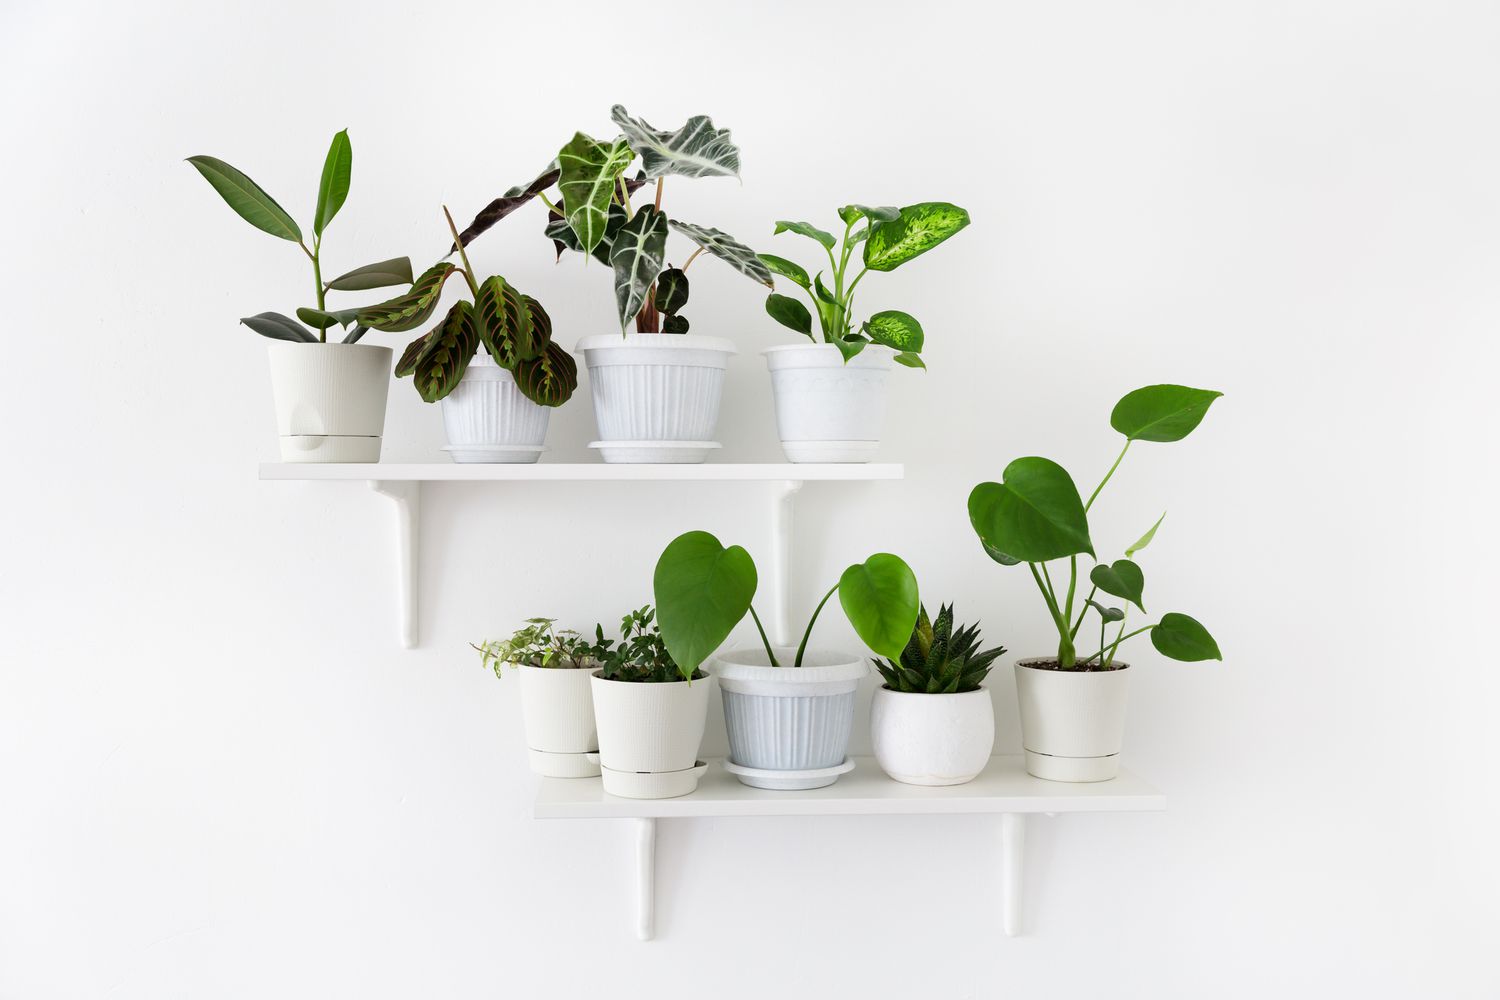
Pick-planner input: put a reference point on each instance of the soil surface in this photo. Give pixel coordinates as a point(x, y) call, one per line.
point(1093, 668)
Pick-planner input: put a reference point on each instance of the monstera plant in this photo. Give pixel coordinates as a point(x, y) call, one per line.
point(1035, 515)
point(591, 212)
point(887, 238)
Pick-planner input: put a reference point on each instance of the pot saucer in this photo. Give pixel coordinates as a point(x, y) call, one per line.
point(818, 777)
point(495, 454)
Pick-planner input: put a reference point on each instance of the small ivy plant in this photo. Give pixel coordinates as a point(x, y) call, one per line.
point(939, 659)
point(642, 655)
point(539, 644)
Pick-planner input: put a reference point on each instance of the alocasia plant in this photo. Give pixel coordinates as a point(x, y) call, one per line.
point(1035, 515)
point(888, 238)
point(591, 212)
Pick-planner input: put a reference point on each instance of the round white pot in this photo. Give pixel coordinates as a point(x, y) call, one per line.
point(649, 735)
point(1072, 721)
point(651, 388)
point(932, 739)
point(330, 400)
point(788, 719)
point(489, 420)
point(557, 705)
point(827, 410)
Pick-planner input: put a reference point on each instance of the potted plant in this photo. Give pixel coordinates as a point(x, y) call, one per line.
point(330, 395)
point(651, 712)
point(496, 403)
point(788, 712)
point(830, 395)
point(656, 391)
point(556, 705)
point(1072, 706)
point(931, 722)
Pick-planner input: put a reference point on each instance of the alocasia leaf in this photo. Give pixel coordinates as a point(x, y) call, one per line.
point(589, 173)
point(278, 327)
point(382, 274)
point(246, 198)
point(410, 310)
point(895, 329)
point(728, 249)
point(674, 324)
point(695, 150)
point(671, 291)
point(563, 237)
point(637, 258)
point(444, 359)
point(508, 203)
point(915, 231)
point(1034, 515)
point(333, 187)
point(549, 378)
point(1161, 412)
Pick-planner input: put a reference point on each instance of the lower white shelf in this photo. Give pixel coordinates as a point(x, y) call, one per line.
point(1004, 789)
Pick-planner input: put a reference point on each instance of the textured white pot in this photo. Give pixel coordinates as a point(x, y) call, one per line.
point(932, 739)
point(650, 729)
point(827, 410)
point(489, 420)
point(656, 387)
point(330, 400)
point(1072, 721)
point(557, 705)
point(788, 718)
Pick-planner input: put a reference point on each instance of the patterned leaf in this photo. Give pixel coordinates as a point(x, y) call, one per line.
point(882, 213)
point(407, 363)
point(550, 378)
point(405, 312)
point(671, 291)
point(895, 329)
point(917, 230)
point(443, 361)
point(333, 188)
point(787, 269)
point(637, 257)
point(382, 274)
point(728, 249)
point(279, 327)
point(246, 198)
point(508, 203)
point(588, 175)
point(695, 150)
point(506, 324)
point(563, 237)
point(806, 229)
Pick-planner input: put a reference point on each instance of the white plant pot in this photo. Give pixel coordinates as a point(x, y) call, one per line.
point(489, 420)
point(1072, 721)
point(330, 400)
point(557, 705)
point(649, 735)
point(656, 387)
point(827, 410)
point(932, 739)
point(788, 726)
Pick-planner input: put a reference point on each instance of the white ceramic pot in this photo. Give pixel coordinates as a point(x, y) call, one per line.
point(557, 705)
point(932, 739)
point(828, 410)
point(650, 388)
point(330, 400)
point(489, 420)
point(1072, 721)
point(788, 726)
point(649, 735)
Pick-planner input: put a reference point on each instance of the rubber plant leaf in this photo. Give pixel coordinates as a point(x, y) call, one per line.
point(702, 591)
point(247, 199)
point(443, 361)
point(508, 203)
point(806, 229)
point(787, 269)
point(895, 329)
point(1161, 412)
point(1034, 515)
point(333, 187)
point(879, 596)
point(728, 249)
point(1183, 638)
point(588, 177)
point(410, 310)
point(789, 313)
point(381, 274)
point(915, 231)
point(695, 150)
point(1122, 578)
point(549, 378)
point(279, 327)
point(637, 258)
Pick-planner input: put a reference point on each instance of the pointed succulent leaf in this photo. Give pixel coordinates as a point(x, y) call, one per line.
point(508, 203)
point(550, 378)
point(1122, 578)
point(806, 229)
point(639, 250)
point(278, 327)
point(1108, 614)
point(333, 187)
point(410, 310)
point(246, 198)
point(695, 150)
point(882, 213)
point(895, 329)
point(1034, 515)
point(1145, 540)
point(1161, 412)
point(588, 177)
point(671, 290)
point(728, 249)
point(702, 591)
point(916, 230)
point(789, 313)
point(382, 274)
point(1183, 638)
point(443, 362)
point(787, 269)
point(879, 597)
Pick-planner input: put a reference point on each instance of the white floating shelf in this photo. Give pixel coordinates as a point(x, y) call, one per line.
point(1004, 789)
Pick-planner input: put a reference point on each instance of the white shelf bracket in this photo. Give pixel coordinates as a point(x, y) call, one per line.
point(1012, 861)
point(783, 493)
point(645, 875)
point(407, 495)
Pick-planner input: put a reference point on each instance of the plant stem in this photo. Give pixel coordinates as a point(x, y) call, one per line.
point(1072, 587)
point(1095, 495)
point(862, 272)
point(468, 268)
point(657, 205)
point(1110, 659)
point(802, 648)
point(1065, 655)
point(770, 653)
point(692, 257)
point(1119, 639)
point(318, 284)
point(1083, 611)
point(550, 207)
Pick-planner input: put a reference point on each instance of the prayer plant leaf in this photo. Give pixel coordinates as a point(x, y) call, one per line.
point(444, 359)
point(410, 310)
point(549, 378)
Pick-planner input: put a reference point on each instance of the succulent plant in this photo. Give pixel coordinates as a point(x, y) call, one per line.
point(939, 660)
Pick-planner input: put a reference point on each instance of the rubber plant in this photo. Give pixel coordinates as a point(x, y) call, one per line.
point(888, 238)
point(703, 590)
point(512, 327)
point(252, 204)
point(1035, 515)
point(590, 211)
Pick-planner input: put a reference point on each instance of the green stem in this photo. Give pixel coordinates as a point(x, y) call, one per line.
point(468, 268)
point(312, 255)
point(1119, 639)
point(548, 202)
point(802, 648)
point(1109, 660)
point(1065, 655)
point(863, 271)
point(1095, 495)
point(770, 653)
point(1072, 587)
point(1083, 611)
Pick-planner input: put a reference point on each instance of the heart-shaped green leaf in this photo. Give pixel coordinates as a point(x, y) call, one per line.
point(695, 150)
point(1122, 578)
point(1108, 614)
point(880, 598)
point(637, 257)
point(806, 229)
point(728, 249)
point(702, 591)
point(246, 198)
point(1183, 638)
point(915, 231)
point(671, 290)
point(550, 378)
point(1161, 412)
point(381, 274)
point(279, 327)
point(674, 324)
point(882, 213)
point(410, 310)
point(789, 313)
point(452, 347)
point(787, 269)
point(1145, 540)
point(895, 329)
point(333, 188)
point(588, 178)
point(1035, 515)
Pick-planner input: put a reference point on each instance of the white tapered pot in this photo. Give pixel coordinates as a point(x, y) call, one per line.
point(557, 706)
point(829, 410)
point(330, 400)
point(649, 735)
point(656, 395)
point(488, 419)
point(1072, 721)
point(932, 739)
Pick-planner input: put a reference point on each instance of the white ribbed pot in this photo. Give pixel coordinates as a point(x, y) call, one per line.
point(488, 419)
point(330, 400)
point(656, 387)
point(932, 739)
point(1072, 721)
point(649, 735)
point(788, 718)
point(557, 705)
point(828, 410)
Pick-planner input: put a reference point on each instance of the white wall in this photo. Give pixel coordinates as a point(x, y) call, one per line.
point(219, 775)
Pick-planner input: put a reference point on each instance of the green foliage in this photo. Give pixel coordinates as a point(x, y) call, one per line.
point(411, 308)
point(381, 274)
point(447, 353)
point(333, 187)
point(915, 230)
point(550, 378)
point(697, 149)
point(538, 644)
point(1161, 412)
point(728, 249)
point(638, 257)
point(879, 597)
point(642, 655)
point(671, 297)
point(1035, 515)
point(588, 181)
point(938, 659)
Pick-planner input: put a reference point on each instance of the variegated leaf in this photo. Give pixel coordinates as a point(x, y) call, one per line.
point(787, 269)
point(881, 213)
point(728, 249)
point(588, 179)
point(408, 311)
point(550, 378)
point(506, 324)
point(895, 329)
point(563, 237)
point(639, 250)
point(695, 150)
point(917, 230)
point(442, 362)
point(407, 363)
point(508, 203)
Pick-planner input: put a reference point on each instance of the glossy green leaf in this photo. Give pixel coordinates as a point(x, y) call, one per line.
point(695, 150)
point(1183, 638)
point(279, 327)
point(589, 177)
point(829, 315)
point(911, 360)
point(879, 596)
point(444, 359)
point(407, 363)
point(1122, 578)
point(895, 329)
point(849, 346)
point(333, 187)
point(247, 199)
point(410, 310)
point(728, 249)
point(915, 231)
point(509, 327)
point(671, 290)
point(674, 324)
point(1145, 540)
point(787, 269)
point(702, 591)
point(550, 378)
point(789, 313)
point(882, 213)
point(561, 234)
point(508, 203)
point(806, 229)
point(353, 336)
point(382, 274)
point(1108, 614)
point(1161, 412)
point(1035, 515)
point(637, 258)
point(318, 319)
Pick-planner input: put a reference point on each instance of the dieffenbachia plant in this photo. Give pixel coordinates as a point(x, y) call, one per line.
point(590, 212)
point(1035, 515)
point(512, 327)
point(703, 590)
point(888, 238)
point(259, 209)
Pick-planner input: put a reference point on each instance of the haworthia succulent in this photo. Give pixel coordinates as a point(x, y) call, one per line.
point(637, 258)
point(728, 249)
point(695, 150)
point(444, 359)
point(550, 378)
point(405, 312)
point(588, 178)
point(916, 230)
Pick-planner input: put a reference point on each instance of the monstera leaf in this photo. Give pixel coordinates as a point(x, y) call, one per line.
point(1035, 515)
point(637, 257)
point(702, 591)
point(728, 249)
point(382, 274)
point(880, 599)
point(444, 359)
point(1161, 412)
point(508, 203)
point(588, 175)
point(278, 327)
point(915, 231)
point(1122, 578)
point(695, 150)
point(247, 198)
point(1184, 638)
point(549, 378)
point(507, 323)
point(411, 310)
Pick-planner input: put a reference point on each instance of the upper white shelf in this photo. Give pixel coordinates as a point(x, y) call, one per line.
point(582, 471)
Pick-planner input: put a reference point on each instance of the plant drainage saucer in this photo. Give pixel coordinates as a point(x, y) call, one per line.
point(495, 454)
point(654, 452)
point(652, 784)
point(818, 777)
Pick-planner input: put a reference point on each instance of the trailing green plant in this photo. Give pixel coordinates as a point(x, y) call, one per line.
point(512, 327)
point(1035, 516)
point(889, 238)
point(939, 659)
point(251, 203)
point(642, 655)
point(539, 644)
point(591, 212)
point(704, 590)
